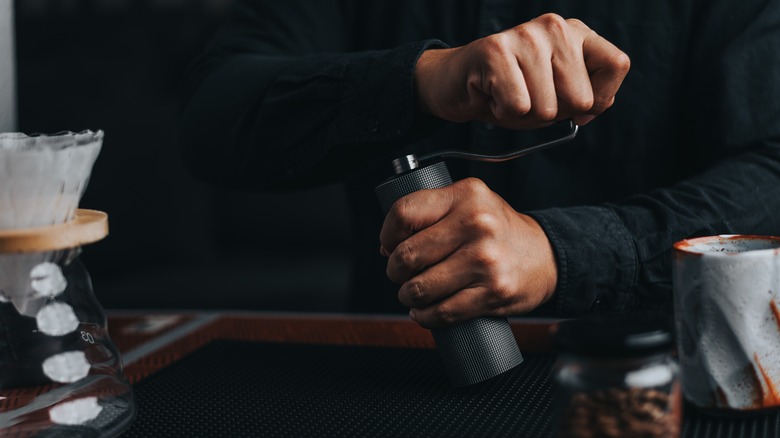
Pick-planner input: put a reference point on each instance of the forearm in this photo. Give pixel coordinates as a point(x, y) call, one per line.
point(617, 256)
point(263, 121)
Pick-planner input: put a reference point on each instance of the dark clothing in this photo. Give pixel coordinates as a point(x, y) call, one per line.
point(691, 147)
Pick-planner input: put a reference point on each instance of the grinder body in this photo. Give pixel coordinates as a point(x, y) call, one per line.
point(474, 350)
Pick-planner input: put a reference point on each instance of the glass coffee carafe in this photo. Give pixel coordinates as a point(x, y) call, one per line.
point(60, 373)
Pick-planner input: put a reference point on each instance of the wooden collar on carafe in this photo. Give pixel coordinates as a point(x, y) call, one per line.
point(87, 226)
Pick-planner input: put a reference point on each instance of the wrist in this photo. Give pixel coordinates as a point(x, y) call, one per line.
point(542, 251)
point(426, 76)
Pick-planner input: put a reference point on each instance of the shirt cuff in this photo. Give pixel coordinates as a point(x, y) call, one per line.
point(597, 260)
point(378, 102)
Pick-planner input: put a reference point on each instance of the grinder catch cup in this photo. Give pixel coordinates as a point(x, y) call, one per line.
point(60, 373)
point(481, 348)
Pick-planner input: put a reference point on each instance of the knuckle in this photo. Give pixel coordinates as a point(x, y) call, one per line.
point(581, 102)
point(576, 23)
point(444, 315)
point(600, 104)
point(489, 82)
point(497, 43)
point(514, 109)
point(532, 36)
point(483, 221)
point(546, 113)
point(522, 107)
point(486, 257)
point(473, 186)
point(414, 294)
point(553, 22)
point(405, 256)
point(621, 62)
point(401, 209)
point(501, 291)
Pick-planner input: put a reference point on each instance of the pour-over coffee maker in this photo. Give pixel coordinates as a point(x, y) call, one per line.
point(60, 373)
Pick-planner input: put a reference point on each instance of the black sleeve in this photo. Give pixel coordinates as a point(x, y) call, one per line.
point(281, 100)
point(617, 256)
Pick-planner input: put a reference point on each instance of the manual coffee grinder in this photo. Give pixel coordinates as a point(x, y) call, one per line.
point(475, 350)
point(60, 373)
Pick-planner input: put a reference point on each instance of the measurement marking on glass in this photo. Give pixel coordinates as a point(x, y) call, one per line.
point(87, 337)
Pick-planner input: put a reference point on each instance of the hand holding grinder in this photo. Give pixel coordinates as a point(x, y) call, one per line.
point(484, 347)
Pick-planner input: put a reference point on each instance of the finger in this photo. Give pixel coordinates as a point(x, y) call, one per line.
point(412, 213)
point(423, 249)
point(607, 66)
point(533, 56)
point(541, 87)
point(438, 282)
point(572, 82)
point(462, 306)
point(506, 86)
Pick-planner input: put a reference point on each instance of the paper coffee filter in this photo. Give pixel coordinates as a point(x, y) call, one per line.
point(42, 177)
point(19, 275)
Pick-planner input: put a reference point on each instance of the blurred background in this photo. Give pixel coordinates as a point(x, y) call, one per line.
point(116, 65)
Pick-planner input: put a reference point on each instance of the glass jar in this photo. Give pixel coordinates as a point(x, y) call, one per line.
point(616, 377)
point(60, 373)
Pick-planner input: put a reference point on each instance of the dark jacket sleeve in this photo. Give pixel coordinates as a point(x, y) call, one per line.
point(617, 256)
point(282, 99)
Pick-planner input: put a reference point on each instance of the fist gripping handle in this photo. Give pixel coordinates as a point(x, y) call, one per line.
point(484, 347)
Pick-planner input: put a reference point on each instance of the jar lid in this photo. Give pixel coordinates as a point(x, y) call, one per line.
point(620, 336)
point(86, 227)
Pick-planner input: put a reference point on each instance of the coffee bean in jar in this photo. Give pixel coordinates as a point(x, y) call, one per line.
point(616, 377)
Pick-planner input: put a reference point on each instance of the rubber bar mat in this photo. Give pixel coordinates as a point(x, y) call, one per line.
point(242, 389)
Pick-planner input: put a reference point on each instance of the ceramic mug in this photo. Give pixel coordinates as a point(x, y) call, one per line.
point(727, 319)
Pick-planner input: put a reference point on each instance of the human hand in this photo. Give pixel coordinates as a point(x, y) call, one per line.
point(461, 251)
point(526, 77)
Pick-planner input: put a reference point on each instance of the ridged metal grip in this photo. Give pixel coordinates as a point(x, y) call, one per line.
point(429, 177)
point(474, 350)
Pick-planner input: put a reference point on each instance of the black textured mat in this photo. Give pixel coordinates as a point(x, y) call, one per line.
point(249, 389)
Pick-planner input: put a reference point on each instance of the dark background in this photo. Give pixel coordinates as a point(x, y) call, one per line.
point(116, 65)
